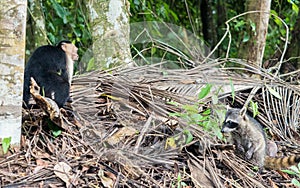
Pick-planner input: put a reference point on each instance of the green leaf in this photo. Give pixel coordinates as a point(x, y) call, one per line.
point(214, 99)
point(55, 130)
point(289, 172)
point(276, 19)
point(254, 107)
point(246, 37)
point(173, 103)
point(189, 135)
point(206, 112)
point(177, 114)
point(239, 24)
point(296, 182)
point(295, 8)
point(197, 117)
point(204, 91)
point(191, 108)
point(274, 93)
point(91, 64)
point(6, 144)
point(56, 133)
point(295, 169)
point(179, 177)
point(253, 26)
point(60, 11)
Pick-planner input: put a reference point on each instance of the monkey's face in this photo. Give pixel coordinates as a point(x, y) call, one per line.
point(71, 50)
point(74, 53)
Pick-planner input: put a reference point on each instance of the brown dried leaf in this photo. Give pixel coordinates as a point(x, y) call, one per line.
point(198, 175)
point(106, 181)
point(63, 171)
point(121, 134)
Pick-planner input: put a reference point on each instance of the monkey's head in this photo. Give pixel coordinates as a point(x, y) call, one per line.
point(69, 48)
point(234, 119)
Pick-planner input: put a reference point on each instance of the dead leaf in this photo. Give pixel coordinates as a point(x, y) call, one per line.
point(63, 171)
point(40, 165)
point(40, 162)
point(170, 142)
point(121, 134)
point(106, 181)
point(37, 169)
point(273, 184)
point(199, 175)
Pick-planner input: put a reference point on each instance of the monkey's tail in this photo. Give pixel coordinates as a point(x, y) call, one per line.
point(279, 163)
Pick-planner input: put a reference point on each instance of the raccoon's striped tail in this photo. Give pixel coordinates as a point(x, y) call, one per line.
point(279, 163)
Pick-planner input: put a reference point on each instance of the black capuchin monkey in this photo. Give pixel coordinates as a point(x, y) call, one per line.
point(52, 68)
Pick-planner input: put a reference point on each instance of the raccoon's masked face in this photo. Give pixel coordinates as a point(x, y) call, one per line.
point(229, 126)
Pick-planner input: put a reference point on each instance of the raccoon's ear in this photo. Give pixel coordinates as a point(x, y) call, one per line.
point(228, 107)
point(243, 112)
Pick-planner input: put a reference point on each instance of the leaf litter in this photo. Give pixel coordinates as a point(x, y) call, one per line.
point(118, 133)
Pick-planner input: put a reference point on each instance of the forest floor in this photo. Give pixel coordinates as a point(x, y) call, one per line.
point(119, 133)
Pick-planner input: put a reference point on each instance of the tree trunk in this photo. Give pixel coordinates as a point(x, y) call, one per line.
point(35, 31)
point(293, 50)
point(12, 53)
point(221, 19)
point(109, 22)
point(208, 26)
point(253, 50)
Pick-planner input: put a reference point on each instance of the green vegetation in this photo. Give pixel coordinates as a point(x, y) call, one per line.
point(294, 170)
point(6, 144)
point(190, 113)
point(68, 19)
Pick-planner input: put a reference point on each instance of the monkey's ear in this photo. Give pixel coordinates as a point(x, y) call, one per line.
point(64, 47)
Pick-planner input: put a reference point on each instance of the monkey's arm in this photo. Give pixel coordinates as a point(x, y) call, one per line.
point(57, 89)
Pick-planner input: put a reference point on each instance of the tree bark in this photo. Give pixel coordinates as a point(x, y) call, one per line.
point(293, 49)
point(109, 22)
point(253, 50)
point(208, 29)
point(12, 53)
point(35, 31)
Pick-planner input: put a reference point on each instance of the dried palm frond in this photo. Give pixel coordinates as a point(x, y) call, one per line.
point(129, 97)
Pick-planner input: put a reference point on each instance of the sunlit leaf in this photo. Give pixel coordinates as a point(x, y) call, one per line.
point(295, 8)
point(170, 142)
point(254, 107)
point(204, 91)
point(289, 172)
point(206, 112)
point(189, 135)
point(60, 11)
point(91, 64)
point(295, 169)
point(6, 144)
point(173, 103)
point(55, 130)
point(246, 37)
point(296, 182)
point(214, 99)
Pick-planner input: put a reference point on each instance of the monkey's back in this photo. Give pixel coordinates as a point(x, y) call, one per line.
point(47, 65)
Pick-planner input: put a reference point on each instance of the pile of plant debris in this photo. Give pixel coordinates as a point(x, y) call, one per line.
point(135, 127)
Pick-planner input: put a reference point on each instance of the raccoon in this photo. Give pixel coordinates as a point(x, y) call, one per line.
point(250, 141)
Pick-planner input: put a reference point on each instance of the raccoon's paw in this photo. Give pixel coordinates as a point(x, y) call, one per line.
point(248, 155)
point(240, 148)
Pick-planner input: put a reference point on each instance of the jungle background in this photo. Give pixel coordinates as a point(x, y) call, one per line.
point(149, 100)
